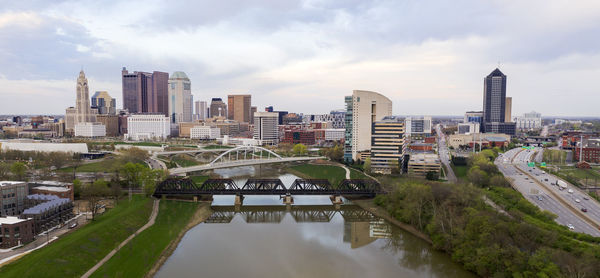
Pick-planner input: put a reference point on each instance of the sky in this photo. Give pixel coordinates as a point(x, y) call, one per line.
point(428, 57)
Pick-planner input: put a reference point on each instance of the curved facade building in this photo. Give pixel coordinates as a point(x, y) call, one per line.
point(180, 98)
point(363, 108)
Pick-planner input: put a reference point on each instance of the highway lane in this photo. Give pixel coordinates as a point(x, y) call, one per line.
point(509, 163)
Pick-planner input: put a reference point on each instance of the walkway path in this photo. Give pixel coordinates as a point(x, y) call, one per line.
point(114, 251)
point(347, 171)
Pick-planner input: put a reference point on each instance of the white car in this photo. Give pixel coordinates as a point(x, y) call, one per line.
point(577, 201)
point(570, 191)
point(571, 227)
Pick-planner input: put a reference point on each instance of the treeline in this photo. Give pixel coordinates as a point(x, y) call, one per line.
point(525, 242)
point(482, 170)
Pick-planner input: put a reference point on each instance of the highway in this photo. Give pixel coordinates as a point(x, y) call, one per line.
point(444, 154)
point(538, 187)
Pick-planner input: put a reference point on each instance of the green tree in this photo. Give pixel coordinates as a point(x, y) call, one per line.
point(58, 159)
point(498, 180)
point(367, 165)
point(77, 188)
point(477, 176)
point(18, 170)
point(4, 170)
point(94, 193)
point(299, 149)
point(133, 174)
point(432, 175)
point(134, 155)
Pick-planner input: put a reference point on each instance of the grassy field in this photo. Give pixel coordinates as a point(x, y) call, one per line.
point(210, 147)
point(75, 253)
point(460, 171)
point(137, 257)
point(334, 174)
point(199, 179)
point(109, 164)
point(184, 160)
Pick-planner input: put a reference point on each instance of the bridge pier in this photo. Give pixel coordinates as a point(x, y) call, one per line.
point(239, 200)
point(288, 199)
point(336, 199)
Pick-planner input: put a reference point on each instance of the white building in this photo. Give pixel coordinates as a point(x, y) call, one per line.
point(417, 126)
point(334, 134)
point(33, 146)
point(205, 132)
point(335, 119)
point(363, 108)
point(265, 126)
point(90, 130)
point(180, 97)
point(147, 127)
point(468, 128)
point(530, 120)
point(82, 112)
point(201, 111)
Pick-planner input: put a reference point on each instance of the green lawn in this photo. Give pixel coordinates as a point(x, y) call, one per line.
point(137, 257)
point(199, 179)
point(334, 174)
point(355, 174)
point(460, 171)
point(184, 160)
point(74, 254)
point(110, 164)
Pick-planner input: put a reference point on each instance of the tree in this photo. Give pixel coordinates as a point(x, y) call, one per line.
point(19, 170)
point(432, 175)
point(115, 189)
point(367, 165)
point(77, 188)
point(134, 155)
point(477, 176)
point(299, 149)
point(336, 153)
point(4, 170)
point(58, 160)
point(498, 180)
point(94, 193)
point(133, 174)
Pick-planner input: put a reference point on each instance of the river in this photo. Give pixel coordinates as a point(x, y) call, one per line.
point(311, 238)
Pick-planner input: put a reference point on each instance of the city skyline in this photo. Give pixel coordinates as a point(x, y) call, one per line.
point(309, 55)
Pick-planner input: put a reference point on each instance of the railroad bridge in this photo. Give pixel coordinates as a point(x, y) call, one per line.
point(348, 187)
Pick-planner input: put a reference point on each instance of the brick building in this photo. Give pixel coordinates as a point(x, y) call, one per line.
point(306, 137)
point(15, 231)
point(591, 150)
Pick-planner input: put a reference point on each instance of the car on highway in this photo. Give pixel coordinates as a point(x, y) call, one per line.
point(585, 198)
point(584, 209)
point(570, 191)
point(571, 227)
point(577, 201)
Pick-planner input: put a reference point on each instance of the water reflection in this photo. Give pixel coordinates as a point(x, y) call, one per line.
point(321, 240)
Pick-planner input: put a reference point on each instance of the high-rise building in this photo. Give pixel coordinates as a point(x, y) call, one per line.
point(265, 127)
point(145, 92)
point(252, 111)
point(363, 108)
point(218, 108)
point(180, 98)
point(474, 117)
point(201, 111)
point(103, 103)
point(147, 127)
point(111, 122)
point(508, 110)
point(91, 130)
point(239, 108)
point(530, 120)
point(82, 112)
point(494, 104)
point(269, 108)
point(387, 145)
point(418, 126)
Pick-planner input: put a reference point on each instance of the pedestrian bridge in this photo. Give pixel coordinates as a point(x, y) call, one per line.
point(241, 156)
point(185, 186)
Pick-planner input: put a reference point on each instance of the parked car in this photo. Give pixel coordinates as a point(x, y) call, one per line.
point(570, 191)
point(571, 227)
point(584, 209)
point(73, 225)
point(585, 198)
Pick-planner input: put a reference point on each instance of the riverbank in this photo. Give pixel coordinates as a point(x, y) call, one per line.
point(380, 212)
point(150, 248)
point(76, 252)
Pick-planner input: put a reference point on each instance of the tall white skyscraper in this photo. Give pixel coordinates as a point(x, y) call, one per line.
point(265, 126)
point(201, 110)
point(180, 98)
point(82, 112)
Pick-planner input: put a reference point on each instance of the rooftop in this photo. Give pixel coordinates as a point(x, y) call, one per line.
point(424, 158)
point(6, 183)
point(179, 75)
point(11, 220)
point(52, 188)
point(51, 183)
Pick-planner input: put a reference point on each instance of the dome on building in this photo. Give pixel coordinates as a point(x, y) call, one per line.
point(179, 75)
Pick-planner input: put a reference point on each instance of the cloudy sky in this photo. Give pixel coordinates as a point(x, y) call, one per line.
point(428, 57)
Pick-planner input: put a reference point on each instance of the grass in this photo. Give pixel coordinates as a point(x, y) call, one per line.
point(106, 165)
point(184, 160)
point(334, 174)
point(139, 255)
point(210, 147)
point(199, 179)
point(75, 253)
point(460, 171)
point(355, 174)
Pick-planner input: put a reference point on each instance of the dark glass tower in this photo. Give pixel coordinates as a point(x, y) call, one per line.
point(494, 104)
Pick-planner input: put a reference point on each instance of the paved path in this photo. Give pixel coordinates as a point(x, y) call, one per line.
point(347, 171)
point(114, 251)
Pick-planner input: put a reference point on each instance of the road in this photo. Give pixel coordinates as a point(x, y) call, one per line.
point(537, 187)
point(444, 154)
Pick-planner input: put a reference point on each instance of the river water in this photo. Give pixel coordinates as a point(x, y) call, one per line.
point(311, 238)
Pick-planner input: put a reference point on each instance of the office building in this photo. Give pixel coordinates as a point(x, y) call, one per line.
point(334, 134)
point(474, 117)
point(469, 127)
point(468, 140)
point(269, 109)
point(218, 108)
point(205, 132)
point(147, 127)
point(252, 111)
point(239, 108)
point(227, 127)
point(13, 194)
point(532, 120)
point(420, 164)
point(70, 119)
point(111, 123)
point(387, 145)
point(184, 128)
point(363, 108)
point(145, 92)
point(180, 98)
point(590, 148)
point(418, 127)
point(265, 127)
point(201, 111)
point(335, 119)
point(494, 104)
point(508, 110)
point(301, 136)
point(91, 130)
point(15, 231)
point(82, 112)
point(104, 104)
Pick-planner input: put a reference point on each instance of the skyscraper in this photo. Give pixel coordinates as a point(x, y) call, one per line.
point(82, 112)
point(201, 111)
point(105, 104)
point(180, 98)
point(265, 127)
point(145, 92)
point(363, 108)
point(508, 110)
point(494, 104)
point(239, 108)
point(218, 108)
